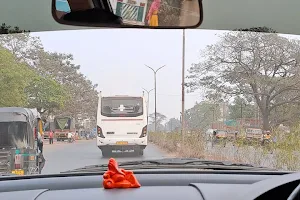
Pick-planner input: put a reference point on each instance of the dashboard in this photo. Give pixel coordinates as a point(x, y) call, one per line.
point(156, 184)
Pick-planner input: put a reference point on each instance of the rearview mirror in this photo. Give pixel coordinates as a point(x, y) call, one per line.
point(129, 13)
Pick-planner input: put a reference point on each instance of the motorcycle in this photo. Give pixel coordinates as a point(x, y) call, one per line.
point(71, 140)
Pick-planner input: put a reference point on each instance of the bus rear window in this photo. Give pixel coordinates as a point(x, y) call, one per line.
point(121, 107)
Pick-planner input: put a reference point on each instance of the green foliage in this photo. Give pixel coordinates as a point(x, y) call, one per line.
point(82, 92)
point(57, 88)
point(14, 78)
point(46, 94)
point(21, 86)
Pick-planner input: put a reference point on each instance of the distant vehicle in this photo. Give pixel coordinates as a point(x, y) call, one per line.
point(221, 134)
point(64, 125)
point(121, 124)
point(209, 134)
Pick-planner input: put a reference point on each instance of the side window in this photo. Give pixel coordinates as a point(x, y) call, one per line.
point(62, 6)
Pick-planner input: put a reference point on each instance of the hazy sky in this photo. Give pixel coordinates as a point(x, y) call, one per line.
point(114, 59)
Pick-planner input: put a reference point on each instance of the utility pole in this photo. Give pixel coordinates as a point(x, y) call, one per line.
point(182, 84)
point(213, 117)
point(148, 92)
point(155, 72)
point(241, 110)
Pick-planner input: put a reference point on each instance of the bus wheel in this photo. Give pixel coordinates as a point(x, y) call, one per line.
point(141, 152)
point(105, 153)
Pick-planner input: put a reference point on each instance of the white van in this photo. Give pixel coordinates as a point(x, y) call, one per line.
point(121, 124)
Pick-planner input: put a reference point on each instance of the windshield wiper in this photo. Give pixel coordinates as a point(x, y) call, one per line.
point(174, 163)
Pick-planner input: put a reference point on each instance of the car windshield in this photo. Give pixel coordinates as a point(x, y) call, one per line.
point(118, 93)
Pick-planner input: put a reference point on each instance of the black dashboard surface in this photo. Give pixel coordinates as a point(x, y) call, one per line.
point(175, 186)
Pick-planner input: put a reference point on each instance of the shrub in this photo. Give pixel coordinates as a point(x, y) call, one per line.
point(284, 154)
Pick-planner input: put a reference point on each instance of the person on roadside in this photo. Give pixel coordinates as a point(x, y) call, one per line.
point(70, 137)
point(51, 135)
point(40, 142)
point(41, 159)
point(73, 137)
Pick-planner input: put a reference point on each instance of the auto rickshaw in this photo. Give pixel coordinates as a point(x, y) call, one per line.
point(219, 137)
point(19, 152)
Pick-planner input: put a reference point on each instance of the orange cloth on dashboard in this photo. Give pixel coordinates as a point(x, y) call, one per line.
point(116, 177)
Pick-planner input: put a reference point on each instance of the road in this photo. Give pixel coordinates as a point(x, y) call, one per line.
point(63, 156)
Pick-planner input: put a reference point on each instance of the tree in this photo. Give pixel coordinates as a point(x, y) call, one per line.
point(21, 86)
point(288, 114)
point(173, 124)
point(82, 92)
point(46, 95)
point(240, 108)
point(201, 116)
point(160, 118)
point(5, 29)
point(22, 45)
point(262, 66)
point(83, 97)
point(14, 78)
point(263, 29)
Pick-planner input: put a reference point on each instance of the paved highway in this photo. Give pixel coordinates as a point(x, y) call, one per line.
point(63, 156)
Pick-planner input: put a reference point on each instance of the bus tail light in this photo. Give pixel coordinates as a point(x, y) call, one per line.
point(99, 132)
point(144, 132)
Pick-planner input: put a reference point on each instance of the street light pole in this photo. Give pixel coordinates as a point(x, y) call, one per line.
point(155, 72)
point(148, 92)
point(182, 84)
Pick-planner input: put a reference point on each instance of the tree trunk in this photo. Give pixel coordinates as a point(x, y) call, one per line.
point(266, 123)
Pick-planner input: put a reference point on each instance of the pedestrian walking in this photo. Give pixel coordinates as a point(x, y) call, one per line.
point(51, 135)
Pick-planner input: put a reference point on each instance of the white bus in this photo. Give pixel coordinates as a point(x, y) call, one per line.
point(121, 124)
